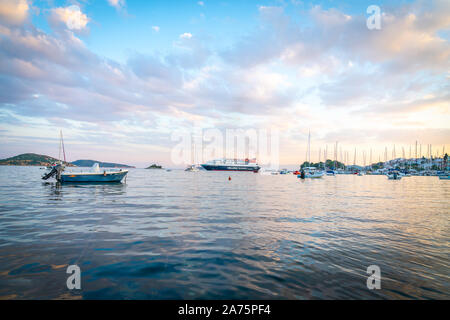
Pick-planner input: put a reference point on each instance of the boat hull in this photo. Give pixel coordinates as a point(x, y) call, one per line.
point(230, 168)
point(88, 177)
point(444, 177)
point(311, 176)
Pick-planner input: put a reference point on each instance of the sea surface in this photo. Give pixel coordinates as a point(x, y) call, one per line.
point(196, 235)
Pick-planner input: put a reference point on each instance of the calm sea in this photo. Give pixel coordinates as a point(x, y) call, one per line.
point(196, 235)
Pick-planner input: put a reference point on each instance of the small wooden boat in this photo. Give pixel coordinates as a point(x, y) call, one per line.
point(105, 176)
point(96, 175)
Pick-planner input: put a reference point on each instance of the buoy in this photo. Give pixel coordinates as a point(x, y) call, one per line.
point(229, 178)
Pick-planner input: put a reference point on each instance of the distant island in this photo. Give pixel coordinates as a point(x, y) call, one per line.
point(90, 163)
point(31, 159)
point(154, 166)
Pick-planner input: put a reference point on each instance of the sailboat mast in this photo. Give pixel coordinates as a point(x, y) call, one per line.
point(309, 148)
point(59, 147)
point(62, 144)
point(335, 155)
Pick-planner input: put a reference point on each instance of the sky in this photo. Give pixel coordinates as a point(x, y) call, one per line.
point(119, 77)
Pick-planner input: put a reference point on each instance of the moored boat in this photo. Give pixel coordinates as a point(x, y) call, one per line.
point(394, 175)
point(96, 175)
point(191, 168)
point(312, 173)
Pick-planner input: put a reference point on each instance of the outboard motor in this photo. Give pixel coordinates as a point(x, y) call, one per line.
point(49, 174)
point(56, 170)
point(302, 174)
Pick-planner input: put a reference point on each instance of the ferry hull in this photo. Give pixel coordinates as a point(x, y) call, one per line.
point(229, 168)
point(100, 177)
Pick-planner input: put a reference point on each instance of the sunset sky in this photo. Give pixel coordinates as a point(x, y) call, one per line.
point(120, 76)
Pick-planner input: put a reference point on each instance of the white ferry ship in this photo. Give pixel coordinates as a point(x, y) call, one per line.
point(232, 165)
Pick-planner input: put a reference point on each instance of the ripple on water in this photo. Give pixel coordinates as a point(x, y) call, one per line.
point(180, 235)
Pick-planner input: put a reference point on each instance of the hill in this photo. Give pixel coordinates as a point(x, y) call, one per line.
point(30, 159)
point(154, 166)
point(90, 163)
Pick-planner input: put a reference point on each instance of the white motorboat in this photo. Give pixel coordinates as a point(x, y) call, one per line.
point(394, 176)
point(191, 168)
point(312, 173)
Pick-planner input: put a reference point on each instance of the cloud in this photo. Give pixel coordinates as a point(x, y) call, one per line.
point(71, 17)
point(186, 35)
point(118, 4)
point(201, 3)
point(13, 12)
point(409, 40)
point(333, 75)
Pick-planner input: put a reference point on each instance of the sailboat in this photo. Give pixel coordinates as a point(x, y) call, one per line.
point(96, 175)
point(193, 167)
point(311, 172)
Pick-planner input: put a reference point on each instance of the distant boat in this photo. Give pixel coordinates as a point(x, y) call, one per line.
point(191, 168)
point(330, 173)
point(312, 173)
point(394, 176)
point(268, 172)
point(232, 165)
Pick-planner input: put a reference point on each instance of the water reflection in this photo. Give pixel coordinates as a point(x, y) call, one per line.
point(57, 190)
point(198, 235)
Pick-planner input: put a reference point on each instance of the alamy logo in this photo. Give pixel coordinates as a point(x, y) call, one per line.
point(74, 281)
point(374, 20)
point(374, 280)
